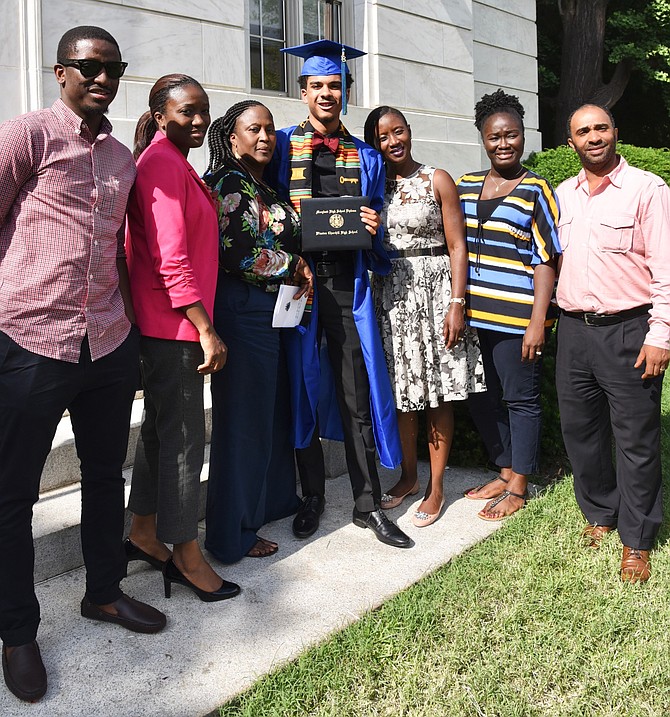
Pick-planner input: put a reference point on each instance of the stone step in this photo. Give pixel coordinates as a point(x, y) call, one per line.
point(62, 465)
point(56, 516)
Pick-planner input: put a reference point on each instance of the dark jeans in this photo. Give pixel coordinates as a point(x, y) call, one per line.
point(601, 396)
point(34, 392)
point(508, 415)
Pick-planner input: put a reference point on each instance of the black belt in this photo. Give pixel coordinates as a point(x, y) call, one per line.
point(430, 251)
point(591, 319)
point(327, 269)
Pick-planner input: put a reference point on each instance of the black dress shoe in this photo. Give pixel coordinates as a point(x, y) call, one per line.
point(172, 574)
point(131, 614)
point(383, 528)
point(135, 553)
point(306, 521)
point(24, 671)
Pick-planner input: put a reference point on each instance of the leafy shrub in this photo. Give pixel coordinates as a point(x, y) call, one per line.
point(559, 164)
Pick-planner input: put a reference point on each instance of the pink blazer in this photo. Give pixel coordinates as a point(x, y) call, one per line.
point(172, 242)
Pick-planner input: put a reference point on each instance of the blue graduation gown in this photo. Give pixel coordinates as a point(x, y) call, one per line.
point(311, 376)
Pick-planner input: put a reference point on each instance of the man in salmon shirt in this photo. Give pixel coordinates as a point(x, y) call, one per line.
point(613, 337)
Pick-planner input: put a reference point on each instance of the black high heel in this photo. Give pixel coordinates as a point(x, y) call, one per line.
point(172, 574)
point(135, 553)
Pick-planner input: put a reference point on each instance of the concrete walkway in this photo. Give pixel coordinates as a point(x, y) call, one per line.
point(210, 652)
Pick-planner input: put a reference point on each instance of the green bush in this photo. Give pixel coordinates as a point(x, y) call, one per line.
point(559, 164)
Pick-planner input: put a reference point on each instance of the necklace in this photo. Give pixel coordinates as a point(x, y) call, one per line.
point(504, 181)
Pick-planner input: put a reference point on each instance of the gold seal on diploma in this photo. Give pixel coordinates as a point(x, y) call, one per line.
point(336, 221)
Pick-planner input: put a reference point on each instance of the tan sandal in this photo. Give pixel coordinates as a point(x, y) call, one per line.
point(262, 549)
point(477, 488)
point(496, 501)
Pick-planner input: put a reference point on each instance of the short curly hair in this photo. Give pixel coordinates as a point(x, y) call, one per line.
point(496, 103)
point(68, 43)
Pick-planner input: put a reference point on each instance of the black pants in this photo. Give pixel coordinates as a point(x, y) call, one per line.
point(601, 396)
point(34, 392)
point(352, 387)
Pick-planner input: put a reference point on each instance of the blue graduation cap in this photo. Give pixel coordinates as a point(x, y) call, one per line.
point(325, 57)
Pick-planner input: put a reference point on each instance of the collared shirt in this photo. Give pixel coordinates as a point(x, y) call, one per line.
point(616, 246)
point(63, 197)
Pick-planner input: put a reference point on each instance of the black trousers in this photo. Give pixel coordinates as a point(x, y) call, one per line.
point(601, 396)
point(34, 392)
point(336, 321)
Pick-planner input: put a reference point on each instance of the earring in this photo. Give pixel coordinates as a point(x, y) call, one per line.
point(236, 154)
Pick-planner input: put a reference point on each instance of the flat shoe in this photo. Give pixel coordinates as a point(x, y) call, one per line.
point(385, 530)
point(306, 521)
point(635, 565)
point(477, 488)
point(498, 500)
point(593, 534)
point(131, 614)
point(422, 519)
point(393, 501)
point(24, 672)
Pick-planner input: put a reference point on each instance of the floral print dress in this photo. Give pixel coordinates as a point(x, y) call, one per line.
point(258, 232)
point(412, 301)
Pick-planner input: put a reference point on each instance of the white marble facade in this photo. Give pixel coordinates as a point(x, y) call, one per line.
point(431, 58)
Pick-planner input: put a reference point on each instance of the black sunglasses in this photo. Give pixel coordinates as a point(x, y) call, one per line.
point(92, 68)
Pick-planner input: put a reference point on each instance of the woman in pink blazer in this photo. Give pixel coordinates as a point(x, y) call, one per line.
point(172, 248)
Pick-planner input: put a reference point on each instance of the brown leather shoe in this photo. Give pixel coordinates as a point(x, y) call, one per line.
point(24, 671)
point(635, 566)
point(594, 533)
point(131, 614)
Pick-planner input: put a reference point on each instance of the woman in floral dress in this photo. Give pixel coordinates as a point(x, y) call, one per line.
point(252, 471)
point(432, 357)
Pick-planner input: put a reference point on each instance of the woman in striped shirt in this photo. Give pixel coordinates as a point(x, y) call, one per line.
point(510, 218)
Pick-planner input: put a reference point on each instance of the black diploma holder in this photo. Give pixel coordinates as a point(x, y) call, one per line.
point(334, 224)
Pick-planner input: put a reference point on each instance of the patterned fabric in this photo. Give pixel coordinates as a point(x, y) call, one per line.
point(347, 164)
point(63, 197)
point(504, 250)
point(258, 232)
point(412, 301)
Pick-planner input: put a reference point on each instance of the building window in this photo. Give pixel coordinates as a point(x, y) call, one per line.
point(267, 36)
point(321, 20)
point(274, 24)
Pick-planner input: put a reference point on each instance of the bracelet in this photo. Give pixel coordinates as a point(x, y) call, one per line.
point(460, 300)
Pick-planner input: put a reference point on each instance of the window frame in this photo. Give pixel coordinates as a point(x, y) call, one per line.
point(293, 11)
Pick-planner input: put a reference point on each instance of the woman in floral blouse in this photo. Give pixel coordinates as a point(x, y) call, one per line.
point(252, 471)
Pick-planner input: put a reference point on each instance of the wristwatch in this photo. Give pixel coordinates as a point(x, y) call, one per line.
point(457, 300)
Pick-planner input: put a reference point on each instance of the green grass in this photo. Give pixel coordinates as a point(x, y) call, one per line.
point(526, 623)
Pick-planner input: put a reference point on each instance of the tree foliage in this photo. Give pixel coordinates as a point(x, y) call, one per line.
point(613, 52)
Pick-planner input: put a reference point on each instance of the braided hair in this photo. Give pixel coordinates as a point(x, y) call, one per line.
point(218, 140)
point(158, 98)
point(497, 102)
point(371, 129)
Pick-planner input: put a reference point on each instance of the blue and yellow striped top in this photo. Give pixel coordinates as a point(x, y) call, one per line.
point(504, 249)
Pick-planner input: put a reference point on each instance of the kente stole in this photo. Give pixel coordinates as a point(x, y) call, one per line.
point(347, 164)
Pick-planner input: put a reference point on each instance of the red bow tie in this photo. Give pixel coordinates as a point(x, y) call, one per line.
point(331, 142)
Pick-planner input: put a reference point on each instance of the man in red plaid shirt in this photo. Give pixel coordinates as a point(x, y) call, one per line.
point(66, 340)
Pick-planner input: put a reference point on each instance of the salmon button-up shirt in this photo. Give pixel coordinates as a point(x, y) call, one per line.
point(616, 246)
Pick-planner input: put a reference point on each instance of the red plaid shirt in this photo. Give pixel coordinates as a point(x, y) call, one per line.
point(63, 197)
